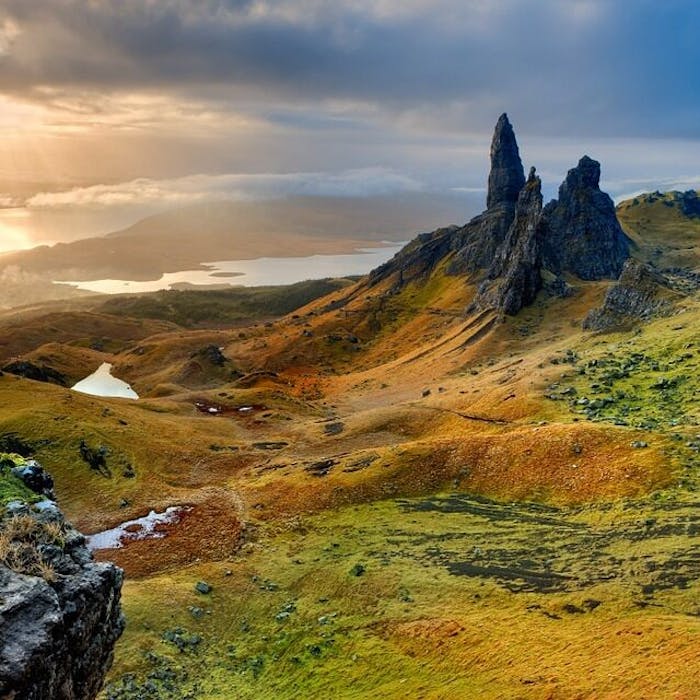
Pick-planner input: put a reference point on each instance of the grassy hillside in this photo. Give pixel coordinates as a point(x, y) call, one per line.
point(661, 231)
point(390, 498)
point(223, 307)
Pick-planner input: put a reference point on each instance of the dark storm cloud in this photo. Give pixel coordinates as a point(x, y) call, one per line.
point(566, 66)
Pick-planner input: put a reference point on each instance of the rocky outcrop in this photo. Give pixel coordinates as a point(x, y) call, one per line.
point(514, 277)
point(507, 176)
point(581, 233)
point(59, 610)
point(689, 203)
point(39, 373)
point(515, 248)
point(639, 294)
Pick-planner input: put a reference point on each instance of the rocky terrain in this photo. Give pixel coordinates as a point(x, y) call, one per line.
point(515, 244)
point(59, 610)
point(471, 473)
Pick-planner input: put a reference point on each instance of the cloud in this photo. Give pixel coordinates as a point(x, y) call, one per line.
point(9, 31)
point(581, 66)
point(200, 188)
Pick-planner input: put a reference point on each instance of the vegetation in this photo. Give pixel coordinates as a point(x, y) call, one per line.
point(221, 307)
point(576, 598)
point(24, 538)
point(11, 487)
point(385, 498)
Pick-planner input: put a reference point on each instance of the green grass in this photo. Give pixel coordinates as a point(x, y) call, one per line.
point(456, 597)
point(12, 488)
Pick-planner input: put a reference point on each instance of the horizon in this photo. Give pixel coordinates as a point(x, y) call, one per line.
point(113, 113)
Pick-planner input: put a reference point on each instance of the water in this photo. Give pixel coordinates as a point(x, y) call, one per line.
point(139, 529)
point(102, 383)
point(257, 272)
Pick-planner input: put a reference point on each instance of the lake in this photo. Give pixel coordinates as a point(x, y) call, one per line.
point(255, 273)
point(102, 383)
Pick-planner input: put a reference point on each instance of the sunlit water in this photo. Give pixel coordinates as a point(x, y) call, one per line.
point(254, 273)
point(139, 529)
point(102, 383)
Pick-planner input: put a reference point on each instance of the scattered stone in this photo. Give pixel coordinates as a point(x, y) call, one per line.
point(357, 570)
point(321, 468)
point(196, 612)
point(203, 587)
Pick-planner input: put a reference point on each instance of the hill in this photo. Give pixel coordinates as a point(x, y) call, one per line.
point(432, 482)
point(184, 238)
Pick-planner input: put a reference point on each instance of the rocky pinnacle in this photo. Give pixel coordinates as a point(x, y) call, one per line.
point(507, 176)
point(582, 235)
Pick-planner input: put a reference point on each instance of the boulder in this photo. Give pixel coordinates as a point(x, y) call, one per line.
point(57, 630)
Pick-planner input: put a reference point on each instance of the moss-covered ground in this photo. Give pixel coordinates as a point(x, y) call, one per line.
point(12, 488)
point(441, 597)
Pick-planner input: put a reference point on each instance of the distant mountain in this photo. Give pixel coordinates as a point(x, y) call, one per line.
point(515, 244)
point(184, 238)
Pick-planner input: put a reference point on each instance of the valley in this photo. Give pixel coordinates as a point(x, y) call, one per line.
point(432, 481)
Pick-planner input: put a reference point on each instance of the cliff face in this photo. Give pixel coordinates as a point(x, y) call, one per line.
point(59, 610)
point(514, 277)
point(581, 232)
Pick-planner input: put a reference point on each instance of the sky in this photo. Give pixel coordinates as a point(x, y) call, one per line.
point(110, 109)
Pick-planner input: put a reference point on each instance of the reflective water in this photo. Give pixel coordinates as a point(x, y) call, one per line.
point(257, 272)
point(102, 383)
point(139, 529)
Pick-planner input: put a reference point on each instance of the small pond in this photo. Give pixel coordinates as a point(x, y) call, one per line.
point(102, 383)
point(148, 527)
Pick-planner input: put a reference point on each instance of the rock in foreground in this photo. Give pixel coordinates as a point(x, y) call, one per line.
point(59, 611)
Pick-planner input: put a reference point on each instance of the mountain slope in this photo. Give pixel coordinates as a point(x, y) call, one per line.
point(395, 493)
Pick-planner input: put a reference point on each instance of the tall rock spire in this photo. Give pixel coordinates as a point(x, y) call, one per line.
point(514, 277)
point(582, 233)
point(507, 176)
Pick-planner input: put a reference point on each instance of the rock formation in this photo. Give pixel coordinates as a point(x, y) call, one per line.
point(689, 203)
point(507, 176)
point(514, 277)
point(581, 233)
point(59, 610)
point(640, 293)
point(470, 247)
point(477, 242)
point(515, 244)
